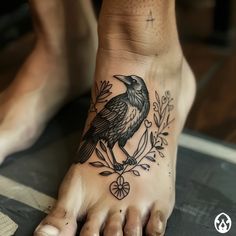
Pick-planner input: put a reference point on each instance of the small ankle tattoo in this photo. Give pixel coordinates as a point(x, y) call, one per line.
point(150, 19)
point(121, 117)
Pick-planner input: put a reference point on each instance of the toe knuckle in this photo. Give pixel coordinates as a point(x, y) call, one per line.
point(87, 230)
point(112, 230)
point(131, 230)
point(153, 232)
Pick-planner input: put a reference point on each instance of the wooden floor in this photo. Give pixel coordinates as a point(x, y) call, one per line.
point(214, 110)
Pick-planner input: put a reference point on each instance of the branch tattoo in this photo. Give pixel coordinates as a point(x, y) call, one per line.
point(116, 123)
point(101, 94)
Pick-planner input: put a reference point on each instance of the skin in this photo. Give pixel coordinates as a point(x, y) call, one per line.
point(52, 73)
point(129, 44)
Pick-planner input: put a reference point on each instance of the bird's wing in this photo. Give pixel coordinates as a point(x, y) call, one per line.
point(112, 114)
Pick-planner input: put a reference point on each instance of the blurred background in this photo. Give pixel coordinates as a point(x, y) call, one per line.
point(207, 32)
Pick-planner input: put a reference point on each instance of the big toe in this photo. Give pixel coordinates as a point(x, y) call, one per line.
point(59, 222)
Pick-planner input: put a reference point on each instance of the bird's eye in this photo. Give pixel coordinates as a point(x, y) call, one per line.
point(134, 81)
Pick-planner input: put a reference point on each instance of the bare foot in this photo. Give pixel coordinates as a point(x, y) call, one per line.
point(124, 177)
point(51, 75)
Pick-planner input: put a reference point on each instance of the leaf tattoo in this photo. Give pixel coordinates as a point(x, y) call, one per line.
point(102, 92)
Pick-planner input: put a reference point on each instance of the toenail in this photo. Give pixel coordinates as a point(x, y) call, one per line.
point(48, 230)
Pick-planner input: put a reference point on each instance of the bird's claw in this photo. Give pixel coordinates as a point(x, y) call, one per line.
point(130, 161)
point(118, 167)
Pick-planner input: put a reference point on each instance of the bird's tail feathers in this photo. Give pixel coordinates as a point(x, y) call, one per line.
point(86, 150)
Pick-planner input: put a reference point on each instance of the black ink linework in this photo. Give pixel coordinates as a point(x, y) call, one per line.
point(117, 122)
point(162, 108)
point(150, 19)
point(120, 118)
point(102, 92)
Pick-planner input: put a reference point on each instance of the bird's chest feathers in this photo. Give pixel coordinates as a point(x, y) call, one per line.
point(129, 126)
point(132, 118)
point(136, 112)
point(135, 98)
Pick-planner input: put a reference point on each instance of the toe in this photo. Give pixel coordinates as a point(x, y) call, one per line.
point(156, 223)
point(133, 225)
point(62, 220)
point(93, 223)
point(114, 223)
point(58, 222)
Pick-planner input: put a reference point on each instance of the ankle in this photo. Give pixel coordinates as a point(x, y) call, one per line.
point(49, 23)
point(150, 67)
point(147, 29)
point(51, 52)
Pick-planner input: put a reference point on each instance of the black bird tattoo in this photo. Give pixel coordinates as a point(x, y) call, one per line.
point(117, 122)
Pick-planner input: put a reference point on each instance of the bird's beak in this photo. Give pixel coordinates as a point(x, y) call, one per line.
point(123, 78)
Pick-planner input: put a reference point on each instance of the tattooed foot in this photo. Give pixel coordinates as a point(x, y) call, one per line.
point(143, 185)
point(147, 98)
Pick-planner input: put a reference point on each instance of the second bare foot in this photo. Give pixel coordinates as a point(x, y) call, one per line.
point(50, 77)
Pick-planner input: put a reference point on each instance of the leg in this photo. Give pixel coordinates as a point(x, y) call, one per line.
point(135, 38)
point(47, 79)
point(129, 160)
point(117, 166)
